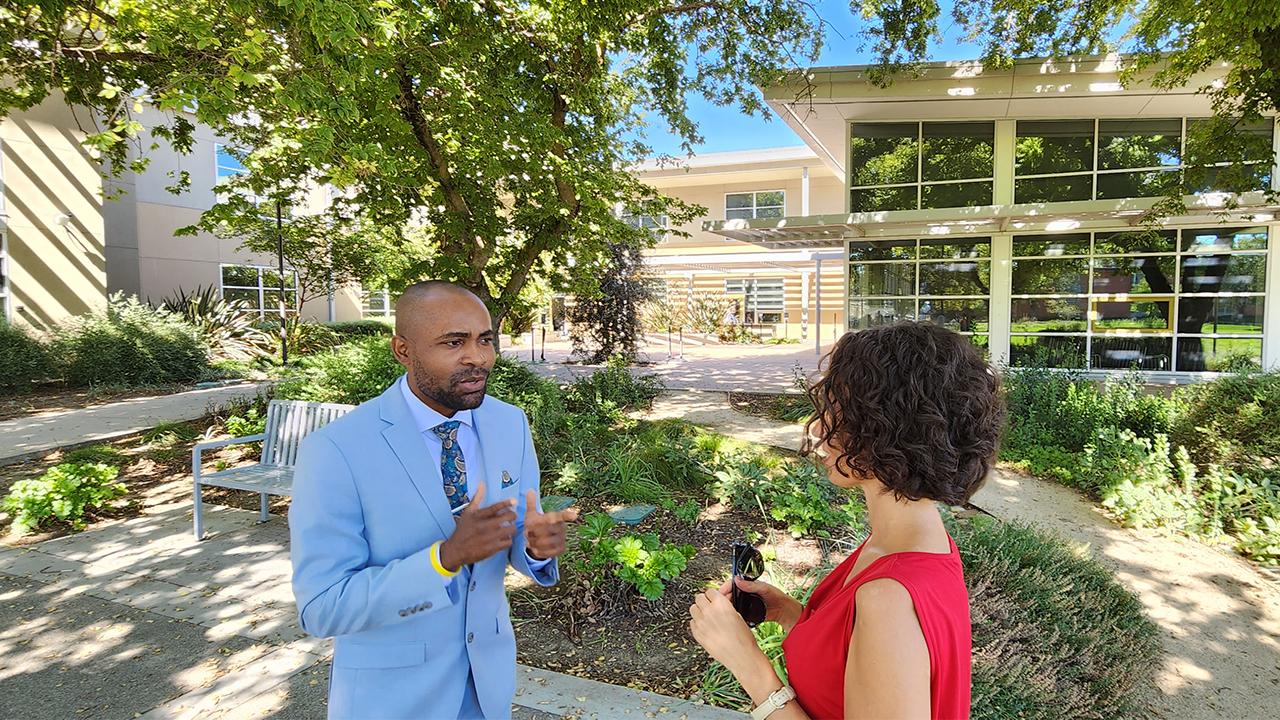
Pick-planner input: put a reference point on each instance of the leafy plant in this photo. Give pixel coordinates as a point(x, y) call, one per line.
point(253, 422)
point(304, 338)
point(350, 373)
point(104, 454)
point(688, 511)
point(642, 562)
point(129, 343)
point(24, 359)
point(227, 327)
point(361, 328)
point(64, 492)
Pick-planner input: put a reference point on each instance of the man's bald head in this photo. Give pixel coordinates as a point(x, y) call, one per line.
point(445, 340)
point(417, 300)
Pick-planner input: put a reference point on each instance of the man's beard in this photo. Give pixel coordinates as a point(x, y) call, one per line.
point(447, 394)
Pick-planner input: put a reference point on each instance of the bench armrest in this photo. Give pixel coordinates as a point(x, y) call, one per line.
point(201, 447)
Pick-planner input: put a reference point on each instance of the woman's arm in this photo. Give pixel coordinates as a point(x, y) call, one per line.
point(887, 674)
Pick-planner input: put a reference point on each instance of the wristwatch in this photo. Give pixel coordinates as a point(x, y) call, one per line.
point(775, 701)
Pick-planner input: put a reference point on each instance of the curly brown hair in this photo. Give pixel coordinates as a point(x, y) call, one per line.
point(912, 404)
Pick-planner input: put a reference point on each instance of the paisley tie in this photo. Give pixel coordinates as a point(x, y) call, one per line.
point(453, 467)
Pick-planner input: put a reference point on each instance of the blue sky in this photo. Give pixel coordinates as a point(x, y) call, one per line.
point(725, 128)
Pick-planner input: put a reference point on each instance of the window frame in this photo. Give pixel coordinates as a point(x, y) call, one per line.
point(262, 288)
point(755, 207)
point(1090, 298)
point(6, 280)
point(920, 183)
point(916, 297)
point(750, 293)
point(1095, 172)
point(388, 310)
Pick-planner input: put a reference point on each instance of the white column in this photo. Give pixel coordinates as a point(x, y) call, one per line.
point(817, 291)
point(1005, 158)
point(1271, 309)
point(804, 192)
point(1001, 289)
point(804, 305)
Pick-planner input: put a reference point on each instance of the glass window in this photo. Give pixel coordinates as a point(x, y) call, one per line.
point(1125, 144)
point(908, 166)
point(941, 280)
point(764, 298)
point(884, 153)
point(882, 279)
point(647, 222)
point(226, 164)
point(377, 303)
point(259, 288)
point(6, 308)
point(865, 314)
point(1052, 147)
point(752, 205)
point(1147, 299)
point(1055, 159)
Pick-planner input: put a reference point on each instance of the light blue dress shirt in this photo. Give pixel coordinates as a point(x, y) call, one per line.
point(426, 419)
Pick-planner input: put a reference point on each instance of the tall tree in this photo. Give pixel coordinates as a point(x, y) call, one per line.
point(499, 127)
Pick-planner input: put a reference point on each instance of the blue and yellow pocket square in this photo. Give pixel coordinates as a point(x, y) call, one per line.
point(507, 480)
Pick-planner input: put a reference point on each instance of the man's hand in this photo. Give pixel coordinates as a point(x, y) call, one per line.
point(544, 533)
point(481, 532)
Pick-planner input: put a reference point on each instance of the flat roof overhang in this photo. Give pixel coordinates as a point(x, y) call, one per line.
point(830, 231)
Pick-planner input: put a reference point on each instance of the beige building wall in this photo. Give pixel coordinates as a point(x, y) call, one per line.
point(51, 217)
point(698, 265)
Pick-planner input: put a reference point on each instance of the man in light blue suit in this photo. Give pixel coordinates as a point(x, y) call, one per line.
point(405, 515)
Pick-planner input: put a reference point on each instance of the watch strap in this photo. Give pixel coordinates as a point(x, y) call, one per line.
point(776, 700)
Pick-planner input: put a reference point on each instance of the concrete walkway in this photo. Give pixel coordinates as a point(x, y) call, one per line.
point(1219, 615)
point(748, 368)
point(26, 437)
point(136, 619)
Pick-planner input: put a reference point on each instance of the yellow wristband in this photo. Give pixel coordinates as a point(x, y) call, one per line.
point(439, 566)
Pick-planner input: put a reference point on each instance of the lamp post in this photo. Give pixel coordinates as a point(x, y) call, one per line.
point(284, 335)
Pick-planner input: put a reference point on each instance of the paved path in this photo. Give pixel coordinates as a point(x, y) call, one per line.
point(750, 368)
point(136, 619)
point(26, 437)
point(1219, 616)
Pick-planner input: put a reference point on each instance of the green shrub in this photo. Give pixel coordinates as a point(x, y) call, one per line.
point(227, 327)
point(351, 373)
point(304, 338)
point(362, 328)
point(24, 359)
point(64, 492)
point(642, 562)
point(1231, 421)
point(105, 454)
point(167, 434)
point(253, 422)
point(1054, 635)
point(688, 512)
point(611, 390)
point(1134, 478)
point(129, 343)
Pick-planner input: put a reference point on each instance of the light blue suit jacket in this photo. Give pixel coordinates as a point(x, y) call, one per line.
point(368, 503)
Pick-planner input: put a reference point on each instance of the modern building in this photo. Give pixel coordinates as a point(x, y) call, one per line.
point(64, 247)
point(778, 293)
point(1012, 205)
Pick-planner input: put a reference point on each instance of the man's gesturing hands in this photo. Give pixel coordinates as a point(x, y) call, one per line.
point(544, 533)
point(481, 532)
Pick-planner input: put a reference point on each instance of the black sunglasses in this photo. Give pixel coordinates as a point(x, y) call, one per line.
point(749, 565)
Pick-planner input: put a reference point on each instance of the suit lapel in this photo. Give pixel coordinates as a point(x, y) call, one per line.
point(410, 448)
point(489, 433)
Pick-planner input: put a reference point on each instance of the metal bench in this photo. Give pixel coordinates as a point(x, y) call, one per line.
point(288, 421)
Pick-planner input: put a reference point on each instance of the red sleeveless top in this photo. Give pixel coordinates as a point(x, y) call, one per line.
point(817, 649)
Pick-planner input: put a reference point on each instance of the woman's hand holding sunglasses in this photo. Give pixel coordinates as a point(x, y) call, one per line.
point(779, 607)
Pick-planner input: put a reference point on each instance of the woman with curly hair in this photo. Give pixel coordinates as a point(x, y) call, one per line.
point(911, 414)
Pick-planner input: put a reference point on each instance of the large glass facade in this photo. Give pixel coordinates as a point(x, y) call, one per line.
point(1186, 300)
point(1065, 160)
point(916, 165)
point(259, 288)
point(946, 281)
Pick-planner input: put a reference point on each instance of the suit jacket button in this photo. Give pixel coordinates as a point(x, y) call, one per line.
point(426, 606)
point(471, 637)
point(404, 613)
point(472, 588)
